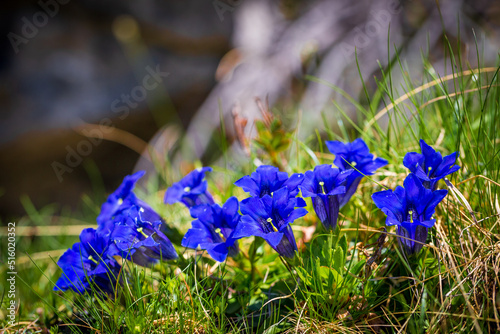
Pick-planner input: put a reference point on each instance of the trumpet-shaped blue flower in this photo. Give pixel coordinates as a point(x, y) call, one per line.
point(88, 262)
point(270, 218)
point(410, 209)
point(213, 229)
point(191, 190)
point(135, 230)
point(430, 166)
point(268, 179)
point(324, 185)
point(355, 156)
point(137, 239)
point(123, 198)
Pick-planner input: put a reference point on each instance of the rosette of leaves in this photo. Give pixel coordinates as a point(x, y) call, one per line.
point(326, 274)
point(272, 136)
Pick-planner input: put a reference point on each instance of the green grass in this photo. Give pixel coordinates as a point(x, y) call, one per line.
point(355, 280)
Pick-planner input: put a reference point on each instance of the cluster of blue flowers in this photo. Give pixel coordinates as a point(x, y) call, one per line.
point(129, 228)
point(273, 203)
point(411, 207)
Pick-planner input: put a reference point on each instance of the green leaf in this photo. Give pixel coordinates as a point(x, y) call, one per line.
point(276, 328)
point(343, 244)
point(338, 259)
point(304, 275)
point(324, 272)
point(358, 267)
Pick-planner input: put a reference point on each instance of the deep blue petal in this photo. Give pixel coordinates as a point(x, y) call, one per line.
point(413, 160)
point(281, 201)
point(337, 147)
point(415, 191)
point(427, 223)
point(147, 213)
point(406, 241)
point(204, 211)
point(71, 280)
point(165, 250)
point(218, 252)
point(350, 189)
point(272, 238)
point(432, 158)
point(174, 193)
point(391, 218)
point(337, 191)
point(116, 199)
point(248, 227)
point(421, 233)
point(308, 186)
point(230, 212)
point(141, 258)
point(296, 214)
point(446, 166)
point(196, 235)
point(190, 190)
point(333, 212)
point(287, 245)
point(267, 179)
point(87, 238)
point(435, 198)
point(359, 146)
point(415, 235)
point(321, 208)
point(372, 166)
point(255, 207)
point(388, 200)
point(300, 202)
point(293, 183)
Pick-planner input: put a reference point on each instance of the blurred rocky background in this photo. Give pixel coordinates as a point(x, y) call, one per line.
point(86, 85)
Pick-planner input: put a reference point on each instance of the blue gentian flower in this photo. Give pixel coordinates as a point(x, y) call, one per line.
point(135, 230)
point(213, 229)
point(87, 262)
point(123, 198)
point(270, 218)
point(268, 179)
point(357, 155)
point(324, 185)
point(410, 209)
point(430, 166)
point(138, 239)
point(191, 190)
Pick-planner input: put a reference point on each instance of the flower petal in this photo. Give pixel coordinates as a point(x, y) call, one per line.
point(248, 185)
point(446, 166)
point(337, 147)
point(387, 200)
point(196, 235)
point(412, 160)
point(436, 197)
point(247, 227)
point(218, 252)
point(432, 158)
point(351, 187)
point(320, 207)
point(255, 207)
point(333, 211)
point(293, 182)
point(295, 214)
point(372, 166)
point(174, 194)
point(414, 189)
